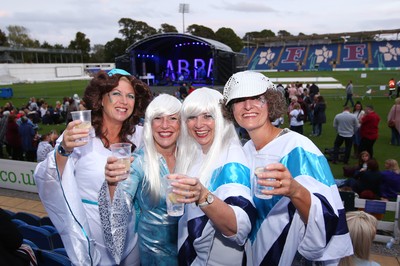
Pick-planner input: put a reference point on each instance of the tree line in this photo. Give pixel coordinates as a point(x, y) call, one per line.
point(131, 31)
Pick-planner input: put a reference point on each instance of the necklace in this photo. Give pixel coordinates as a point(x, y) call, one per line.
point(281, 133)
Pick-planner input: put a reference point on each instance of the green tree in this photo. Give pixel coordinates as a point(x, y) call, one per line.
point(201, 31)
point(3, 39)
point(98, 54)
point(18, 36)
point(258, 34)
point(114, 48)
point(133, 31)
point(283, 33)
point(167, 28)
point(58, 46)
point(46, 45)
point(82, 44)
point(229, 37)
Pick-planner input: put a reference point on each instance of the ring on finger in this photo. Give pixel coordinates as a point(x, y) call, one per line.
point(280, 183)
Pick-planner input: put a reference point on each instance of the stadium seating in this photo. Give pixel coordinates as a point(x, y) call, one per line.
point(30, 243)
point(18, 222)
point(61, 251)
point(50, 228)
point(55, 236)
point(11, 213)
point(46, 221)
point(51, 258)
point(28, 218)
point(314, 57)
point(40, 236)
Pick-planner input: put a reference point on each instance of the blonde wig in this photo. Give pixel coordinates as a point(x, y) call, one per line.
point(162, 105)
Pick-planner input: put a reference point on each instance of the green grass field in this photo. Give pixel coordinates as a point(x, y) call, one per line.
point(53, 91)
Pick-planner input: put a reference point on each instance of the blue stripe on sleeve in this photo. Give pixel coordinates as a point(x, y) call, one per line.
point(230, 173)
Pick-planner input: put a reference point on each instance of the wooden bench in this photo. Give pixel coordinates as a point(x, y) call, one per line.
point(390, 228)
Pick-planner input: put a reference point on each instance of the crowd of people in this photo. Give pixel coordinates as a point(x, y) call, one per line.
point(104, 220)
point(19, 127)
point(309, 103)
point(369, 182)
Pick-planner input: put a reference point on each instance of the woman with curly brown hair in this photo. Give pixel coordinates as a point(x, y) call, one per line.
point(70, 178)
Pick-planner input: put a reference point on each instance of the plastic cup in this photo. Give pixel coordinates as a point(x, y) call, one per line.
point(174, 208)
point(260, 162)
point(86, 117)
point(123, 152)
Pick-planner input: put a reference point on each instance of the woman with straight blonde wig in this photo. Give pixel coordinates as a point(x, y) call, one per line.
point(362, 228)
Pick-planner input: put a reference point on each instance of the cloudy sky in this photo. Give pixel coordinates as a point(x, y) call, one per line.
point(57, 21)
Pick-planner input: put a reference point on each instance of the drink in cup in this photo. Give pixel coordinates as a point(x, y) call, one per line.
point(86, 117)
point(174, 208)
point(123, 152)
point(260, 162)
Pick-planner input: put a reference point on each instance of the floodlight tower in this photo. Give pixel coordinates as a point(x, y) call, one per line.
point(183, 8)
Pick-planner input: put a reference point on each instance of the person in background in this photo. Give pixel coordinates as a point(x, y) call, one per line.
point(65, 104)
point(352, 172)
point(70, 178)
point(32, 105)
point(13, 138)
point(293, 101)
point(27, 133)
point(349, 94)
point(345, 124)
point(71, 107)
point(398, 89)
point(295, 124)
point(158, 232)
point(3, 128)
point(57, 114)
point(392, 87)
point(363, 159)
point(367, 183)
point(390, 187)
point(45, 145)
point(191, 88)
point(307, 103)
point(76, 99)
point(314, 90)
point(394, 115)
point(362, 228)
point(319, 115)
point(304, 199)
point(219, 212)
point(277, 122)
point(292, 89)
point(177, 94)
point(358, 112)
point(183, 93)
point(369, 130)
point(45, 114)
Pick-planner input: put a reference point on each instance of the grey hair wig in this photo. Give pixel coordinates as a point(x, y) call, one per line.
point(200, 101)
